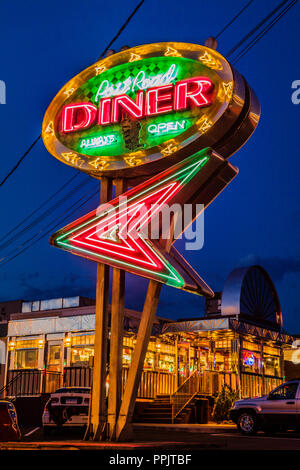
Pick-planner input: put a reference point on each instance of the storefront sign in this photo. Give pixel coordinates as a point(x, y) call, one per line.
point(248, 358)
point(113, 234)
point(139, 107)
point(120, 233)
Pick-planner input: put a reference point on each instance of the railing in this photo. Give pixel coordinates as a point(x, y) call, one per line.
point(78, 377)
point(269, 383)
point(200, 382)
point(3, 390)
point(185, 393)
point(256, 385)
point(153, 383)
point(27, 382)
point(211, 381)
point(30, 382)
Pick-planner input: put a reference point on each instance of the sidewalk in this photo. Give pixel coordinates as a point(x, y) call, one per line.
point(191, 428)
point(90, 445)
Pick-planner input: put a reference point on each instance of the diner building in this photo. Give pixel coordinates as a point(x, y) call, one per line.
point(238, 341)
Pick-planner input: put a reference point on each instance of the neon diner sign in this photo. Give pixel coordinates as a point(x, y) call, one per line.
point(157, 100)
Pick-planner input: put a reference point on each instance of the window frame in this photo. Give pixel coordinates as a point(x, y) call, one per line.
point(273, 392)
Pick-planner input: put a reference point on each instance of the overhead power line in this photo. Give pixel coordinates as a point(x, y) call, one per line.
point(264, 31)
point(123, 27)
point(41, 206)
point(234, 19)
point(50, 210)
point(46, 230)
point(256, 28)
point(21, 159)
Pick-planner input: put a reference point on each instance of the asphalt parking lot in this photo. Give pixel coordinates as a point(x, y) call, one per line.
point(33, 438)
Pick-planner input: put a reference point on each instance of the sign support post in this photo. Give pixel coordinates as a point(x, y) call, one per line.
point(116, 338)
point(98, 416)
point(124, 426)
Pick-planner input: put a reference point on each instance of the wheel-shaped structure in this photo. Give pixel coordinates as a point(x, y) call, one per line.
point(250, 292)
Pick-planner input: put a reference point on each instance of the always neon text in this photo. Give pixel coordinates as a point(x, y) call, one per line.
point(100, 141)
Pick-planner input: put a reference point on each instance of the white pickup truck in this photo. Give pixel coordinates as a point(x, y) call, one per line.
point(279, 410)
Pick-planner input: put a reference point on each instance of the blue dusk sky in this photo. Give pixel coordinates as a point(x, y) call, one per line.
point(254, 221)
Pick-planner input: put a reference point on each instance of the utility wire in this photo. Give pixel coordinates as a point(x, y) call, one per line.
point(122, 27)
point(43, 215)
point(20, 160)
point(234, 19)
point(103, 53)
point(264, 31)
point(42, 233)
point(253, 31)
point(39, 208)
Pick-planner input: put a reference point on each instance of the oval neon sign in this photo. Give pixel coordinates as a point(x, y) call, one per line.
point(138, 111)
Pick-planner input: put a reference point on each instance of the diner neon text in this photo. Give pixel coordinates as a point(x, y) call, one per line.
point(196, 91)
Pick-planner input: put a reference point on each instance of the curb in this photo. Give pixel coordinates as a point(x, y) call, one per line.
point(196, 428)
point(118, 446)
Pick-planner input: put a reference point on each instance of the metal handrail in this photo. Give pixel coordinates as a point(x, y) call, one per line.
point(186, 380)
point(184, 394)
point(29, 372)
point(10, 382)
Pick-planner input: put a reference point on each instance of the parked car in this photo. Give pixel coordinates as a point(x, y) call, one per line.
point(67, 407)
point(279, 410)
point(9, 428)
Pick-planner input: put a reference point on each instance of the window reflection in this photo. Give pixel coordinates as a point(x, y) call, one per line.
point(26, 359)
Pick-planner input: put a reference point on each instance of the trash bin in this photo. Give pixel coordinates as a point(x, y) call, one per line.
point(202, 410)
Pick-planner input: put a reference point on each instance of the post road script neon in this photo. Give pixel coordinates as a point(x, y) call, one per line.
point(139, 82)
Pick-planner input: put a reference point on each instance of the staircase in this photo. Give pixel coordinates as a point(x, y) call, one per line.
point(160, 411)
point(177, 408)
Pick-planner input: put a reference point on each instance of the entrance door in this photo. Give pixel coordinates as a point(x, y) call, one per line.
point(183, 362)
point(55, 358)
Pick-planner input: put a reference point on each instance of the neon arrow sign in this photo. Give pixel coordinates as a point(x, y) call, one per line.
point(114, 234)
point(95, 237)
